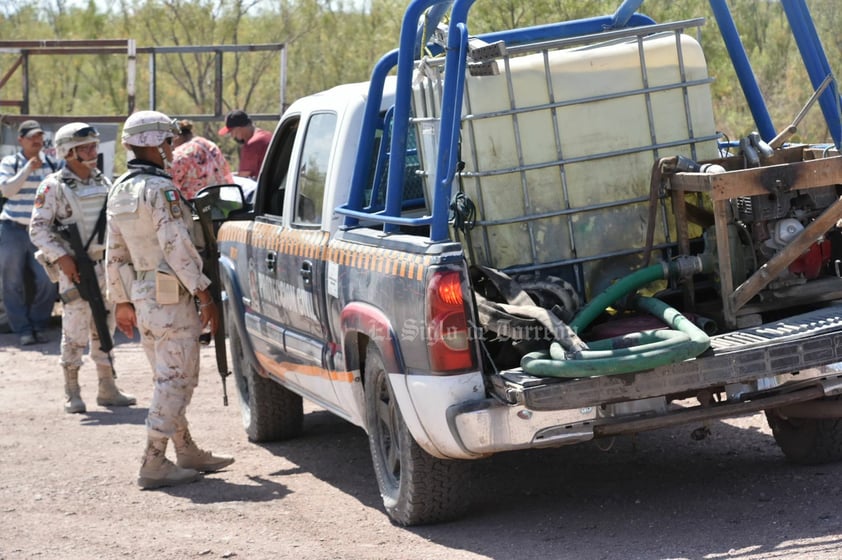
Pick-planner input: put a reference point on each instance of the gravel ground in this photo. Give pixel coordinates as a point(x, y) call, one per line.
point(68, 488)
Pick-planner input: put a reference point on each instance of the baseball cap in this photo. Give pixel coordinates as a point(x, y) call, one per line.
point(28, 128)
point(234, 119)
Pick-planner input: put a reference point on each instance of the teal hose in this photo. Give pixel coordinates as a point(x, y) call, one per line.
point(623, 345)
point(617, 290)
point(688, 342)
point(628, 353)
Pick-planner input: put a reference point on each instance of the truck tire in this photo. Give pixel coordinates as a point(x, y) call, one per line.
point(417, 488)
point(270, 412)
point(807, 441)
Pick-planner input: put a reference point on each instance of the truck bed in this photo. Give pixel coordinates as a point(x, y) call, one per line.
point(794, 344)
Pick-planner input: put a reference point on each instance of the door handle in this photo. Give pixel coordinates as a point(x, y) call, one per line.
point(271, 260)
point(307, 273)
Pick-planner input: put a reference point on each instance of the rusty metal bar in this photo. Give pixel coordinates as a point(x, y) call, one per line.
point(153, 82)
point(217, 83)
point(11, 71)
point(700, 413)
point(131, 73)
point(62, 43)
point(127, 46)
point(24, 106)
point(207, 48)
point(723, 254)
point(283, 80)
point(98, 46)
point(70, 50)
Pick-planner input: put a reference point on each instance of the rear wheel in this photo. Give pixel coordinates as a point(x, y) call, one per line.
point(417, 488)
point(270, 412)
point(807, 441)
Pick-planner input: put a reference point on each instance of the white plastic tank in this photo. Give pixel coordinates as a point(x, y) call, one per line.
point(541, 178)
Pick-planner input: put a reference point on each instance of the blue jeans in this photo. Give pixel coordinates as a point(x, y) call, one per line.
point(16, 256)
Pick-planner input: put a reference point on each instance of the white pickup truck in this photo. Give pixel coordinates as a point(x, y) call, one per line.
point(534, 238)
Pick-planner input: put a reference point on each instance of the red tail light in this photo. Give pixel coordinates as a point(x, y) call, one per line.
point(449, 337)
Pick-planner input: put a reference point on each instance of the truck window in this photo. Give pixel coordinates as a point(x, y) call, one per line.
point(275, 170)
point(312, 171)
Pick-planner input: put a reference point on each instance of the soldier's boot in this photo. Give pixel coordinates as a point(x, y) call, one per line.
point(109, 394)
point(190, 456)
point(73, 403)
point(157, 471)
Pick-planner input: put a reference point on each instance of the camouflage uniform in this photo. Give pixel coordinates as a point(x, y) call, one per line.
point(65, 198)
point(150, 237)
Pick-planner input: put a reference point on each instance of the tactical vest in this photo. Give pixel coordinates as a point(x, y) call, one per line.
point(127, 208)
point(86, 201)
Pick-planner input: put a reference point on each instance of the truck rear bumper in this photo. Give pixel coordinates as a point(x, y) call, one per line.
point(770, 366)
point(491, 426)
point(780, 364)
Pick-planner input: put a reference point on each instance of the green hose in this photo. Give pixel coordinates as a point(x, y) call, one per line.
point(617, 290)
point(633, 352)
point(623, 345)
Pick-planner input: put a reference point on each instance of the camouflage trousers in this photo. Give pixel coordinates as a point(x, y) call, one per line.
point(170, 337)
point(77, 326)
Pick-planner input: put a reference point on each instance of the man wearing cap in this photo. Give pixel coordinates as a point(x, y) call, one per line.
point(20, 175)
point(253, 142)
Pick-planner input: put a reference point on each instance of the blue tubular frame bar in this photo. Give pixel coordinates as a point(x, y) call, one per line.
point(816, 63)
point(454, 65)
point(564, 29)
point(371, 120)
point(415, 32)
point(382, 157)
point(625, 13)
point(404, 58)
point(403, 99)
point(428, 27)
point(739, 58)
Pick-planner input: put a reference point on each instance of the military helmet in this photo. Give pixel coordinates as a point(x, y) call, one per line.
point(74, 134)
point(148, 128)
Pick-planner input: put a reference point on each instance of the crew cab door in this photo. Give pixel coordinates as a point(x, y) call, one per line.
point(289, 256)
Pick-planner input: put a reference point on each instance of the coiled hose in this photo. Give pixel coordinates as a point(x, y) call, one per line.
point(633, 352)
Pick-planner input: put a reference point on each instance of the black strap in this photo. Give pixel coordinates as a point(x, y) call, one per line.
point(99, 228)
point(136, 169)
point(53, 166)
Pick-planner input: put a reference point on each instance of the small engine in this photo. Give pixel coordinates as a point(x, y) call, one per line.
point(770, 222)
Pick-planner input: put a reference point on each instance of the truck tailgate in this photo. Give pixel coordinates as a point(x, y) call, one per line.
point(791, 345)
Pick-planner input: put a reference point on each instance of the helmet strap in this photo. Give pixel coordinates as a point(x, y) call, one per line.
point(164, 161)
point(89, 163)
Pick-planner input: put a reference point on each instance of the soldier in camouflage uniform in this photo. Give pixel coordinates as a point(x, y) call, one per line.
point(76, 194)
point(154, 275)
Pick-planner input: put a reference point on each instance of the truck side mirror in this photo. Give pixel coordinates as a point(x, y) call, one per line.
point(224, 201)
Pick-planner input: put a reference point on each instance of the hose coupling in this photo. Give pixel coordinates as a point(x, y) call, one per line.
point(685, 266)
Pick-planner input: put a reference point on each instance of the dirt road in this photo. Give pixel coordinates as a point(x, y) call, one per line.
point(67, 488)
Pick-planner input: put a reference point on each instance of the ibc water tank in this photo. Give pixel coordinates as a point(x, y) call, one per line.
point(559, 148)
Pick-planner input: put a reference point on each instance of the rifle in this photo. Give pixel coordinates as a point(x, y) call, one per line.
point(88, 285)
point(210, 267)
